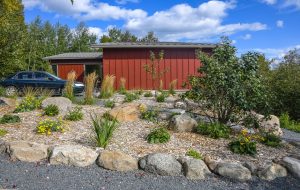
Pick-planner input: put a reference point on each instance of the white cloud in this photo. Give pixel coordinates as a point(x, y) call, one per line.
point(96, 31)
point(247, 37)
point(269, 2)
point(279, 23)
point(292, 3)
point(123, 2)
point(277, 53)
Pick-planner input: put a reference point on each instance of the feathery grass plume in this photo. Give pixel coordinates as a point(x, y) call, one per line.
point(69, 91)
point(122, 89)
point(29, 91)
point(45, 93)
point(90, 81)
point(172, 87)
point(107, 87)
point(161, 86)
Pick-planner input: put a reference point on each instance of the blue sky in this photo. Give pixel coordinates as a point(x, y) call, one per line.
point(269, 26)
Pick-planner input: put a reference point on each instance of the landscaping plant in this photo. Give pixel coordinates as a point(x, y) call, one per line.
point(244, 144)
point(109, 117)
point(129, 97)
point(270, 139)
point(10, 119)
point(51, 110)
point(28, 103)
point(172, 87)
point(69, 91)
point(148, 94)
point(287, 123)
point(122, 89)
point(194, 154)
point(48, 126)
point(2, 132)
point(161, 97)
point(213, 130)
point(150, 115)
point(109, 104)
point(2, 91)
point(103, 130)
point(90, 81)
point(158, 135)
point(161, 86)
point(75, 114)
point(107, 86)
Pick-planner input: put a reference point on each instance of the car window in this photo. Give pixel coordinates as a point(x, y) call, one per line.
point(41, 76)
point(25, 75)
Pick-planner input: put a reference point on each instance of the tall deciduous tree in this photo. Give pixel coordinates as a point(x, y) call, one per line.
point(12, 36)
point(150, 37)
point(82, 39)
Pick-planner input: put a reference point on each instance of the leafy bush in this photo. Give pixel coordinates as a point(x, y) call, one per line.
point(75, 114)
point(270, 139)
point(287, 123)
point(2, 132)
point(244, 144)
point(194, 154)
point(158, 135)
point(213, 130)
point(129, 97)
point(28, 103)
point(51, 110)
point(48, 126)
point(107, 86)
point(148, 94)
point(103, 130)
point(161, 97)
point(150, 115)
point(10, 119)
point(250, 121)
point(2, 91)
point(109, 104)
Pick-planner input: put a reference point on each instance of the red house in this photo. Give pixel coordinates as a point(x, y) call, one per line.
point(128, 59)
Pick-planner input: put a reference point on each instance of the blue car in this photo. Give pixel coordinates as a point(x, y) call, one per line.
point(37, 79)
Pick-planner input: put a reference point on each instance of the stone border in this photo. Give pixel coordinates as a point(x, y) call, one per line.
point(156, 163)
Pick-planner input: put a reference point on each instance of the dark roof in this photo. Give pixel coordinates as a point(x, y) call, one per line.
point(79, 55)
point(153, 45)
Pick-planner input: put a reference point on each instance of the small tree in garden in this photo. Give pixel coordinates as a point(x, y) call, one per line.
point(228, 86)
point(153, 68)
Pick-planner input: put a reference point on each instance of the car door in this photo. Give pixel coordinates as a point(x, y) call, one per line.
point(25, 79)
point(43, 80)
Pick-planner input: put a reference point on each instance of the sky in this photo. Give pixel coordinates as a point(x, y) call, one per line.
point(271, 27)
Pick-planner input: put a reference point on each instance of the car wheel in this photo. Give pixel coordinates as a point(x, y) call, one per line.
point(10, 91)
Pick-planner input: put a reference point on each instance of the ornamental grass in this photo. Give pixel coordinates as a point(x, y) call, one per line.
point(107, 86)
point(90, 81)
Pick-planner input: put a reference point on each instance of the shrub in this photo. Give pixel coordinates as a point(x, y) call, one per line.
point(150, 115)
point(51, 110)
point(2, 132)
point(48, 126)
point(287, 123)
point(122, 89)
point(270, 139)
point(75, 114)
point(10, 119)
point(158, 135)
point(213, 130)
point(172, 87)
point(2, 91)
point(139, 92)
point(148, 94)
point(90, 81)
point(103, 130)
point(244, 144)
point(109, 104)
point(161, 97)
point(250, 121)
point(194, 154)
point(28, 103)
point(129, 97)
point(107, 86)
point(69, 91)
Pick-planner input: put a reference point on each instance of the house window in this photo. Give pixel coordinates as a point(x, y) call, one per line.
point(54, 69)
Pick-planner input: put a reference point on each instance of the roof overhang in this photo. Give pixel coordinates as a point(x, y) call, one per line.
point(75, 56)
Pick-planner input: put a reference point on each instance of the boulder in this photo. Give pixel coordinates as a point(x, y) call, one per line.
point(272, 171)
point(293, 166)
point(126, 112)
point(63, 104)
point(271, 124)
point(233, 170)
point(182, 123)
point(116, 160)
point(3, 146)
point(27, 151)
point(251, 166)
point(161, 164)
point(7, 102)
point(195, 169)
point(73, 155)
point(180, 105)
point(211, 163)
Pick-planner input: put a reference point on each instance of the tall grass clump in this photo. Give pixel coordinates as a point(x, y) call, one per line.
point(172, 87)
point(69, 91)
point(103, 129)
point(107, 86)
point(122, 89)
point(90, 81)
point(161, 86)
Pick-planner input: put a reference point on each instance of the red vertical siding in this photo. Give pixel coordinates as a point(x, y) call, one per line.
point(64, 69)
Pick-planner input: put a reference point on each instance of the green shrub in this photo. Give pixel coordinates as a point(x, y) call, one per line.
point(48, 126)
point(194, 154)
point(244, 144)
point(28, 103)
point(2, 132)
point(287, 123)
point(75, 114)
point(158, 135)
point(10, 119)
point(51, 110)
point(213, 130)
point(2, 91)
point(148, 94)
point(250, 121)
point(129, 97)
point(103, 130)
point(270, 139)
point(139, 92)
point(161, 97)
point(109, 104)
point(150, 115)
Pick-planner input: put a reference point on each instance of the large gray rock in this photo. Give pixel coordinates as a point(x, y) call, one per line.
point(195, 169)
point(211, 163)
point(272, 171)
point(293, 166)
point(160, 163)
point(63, 104)
point(180, 105)
point(73, 155)
point(116, 160)
point(27, 151)
point(233, 170)
point(271, 124)
point(182, 123)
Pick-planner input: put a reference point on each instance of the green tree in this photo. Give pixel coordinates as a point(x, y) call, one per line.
point(228, 86)
point(150, 37)
point(117, 35)
point(82, 39)
point(12, 37)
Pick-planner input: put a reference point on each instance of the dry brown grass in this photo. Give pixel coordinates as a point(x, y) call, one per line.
point(69, 91)
point(122, 88)
point(107, 86)
point(90, 81)
point(172, 86)
point(161, 86)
